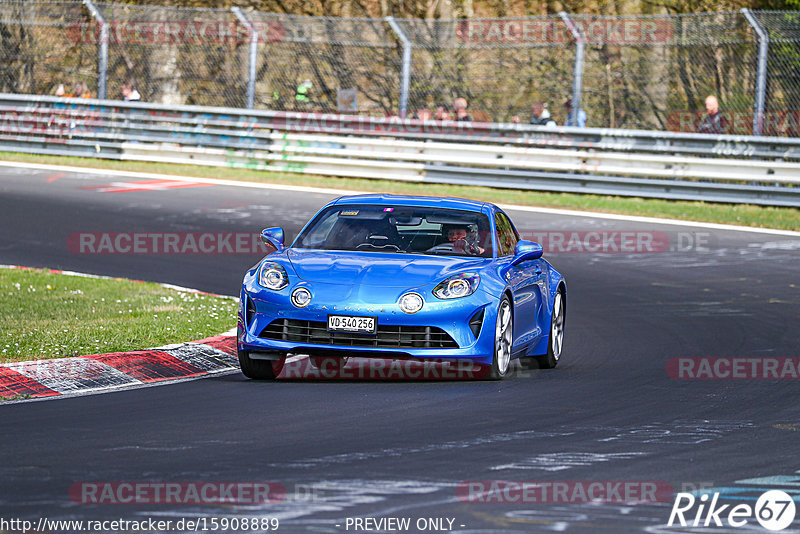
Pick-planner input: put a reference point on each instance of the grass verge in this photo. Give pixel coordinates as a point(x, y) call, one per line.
point(48, 315)
point(737, 214)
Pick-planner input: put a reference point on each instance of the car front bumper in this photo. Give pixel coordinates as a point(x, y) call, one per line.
point(260, 307)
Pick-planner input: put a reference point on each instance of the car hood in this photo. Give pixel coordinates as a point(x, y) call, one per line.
point(377, 268)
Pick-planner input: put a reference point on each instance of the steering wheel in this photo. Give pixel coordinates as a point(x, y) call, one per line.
point(379, 242)
point(441, 247)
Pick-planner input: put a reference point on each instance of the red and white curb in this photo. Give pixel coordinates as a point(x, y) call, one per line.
point(102, 372)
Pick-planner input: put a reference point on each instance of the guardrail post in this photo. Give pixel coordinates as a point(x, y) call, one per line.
point(406, 67)
point(577, 73)
point(761, 77)
point(251, 66)
point(102, 53)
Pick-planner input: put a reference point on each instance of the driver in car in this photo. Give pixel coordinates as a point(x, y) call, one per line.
point(457, 235)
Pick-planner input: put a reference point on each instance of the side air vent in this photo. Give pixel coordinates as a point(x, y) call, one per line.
point(475, 322)
point(249, 312)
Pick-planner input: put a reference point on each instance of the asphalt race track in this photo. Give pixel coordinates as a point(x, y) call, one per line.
point(351, 449)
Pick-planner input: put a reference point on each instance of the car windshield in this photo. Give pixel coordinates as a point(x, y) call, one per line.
point(399, 229)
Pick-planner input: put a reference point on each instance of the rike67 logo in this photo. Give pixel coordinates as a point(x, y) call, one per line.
point(774, 510)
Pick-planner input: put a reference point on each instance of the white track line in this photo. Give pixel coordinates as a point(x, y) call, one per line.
point(324, 191)
point(155, 176)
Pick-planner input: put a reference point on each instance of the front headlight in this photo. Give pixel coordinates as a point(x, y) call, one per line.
point(273, 276)
point(460, 285)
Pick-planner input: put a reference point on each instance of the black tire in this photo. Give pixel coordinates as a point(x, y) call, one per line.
point(503, 340)
point(556, 343)
point(260, 369)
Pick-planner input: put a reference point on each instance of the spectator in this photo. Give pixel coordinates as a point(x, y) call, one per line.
point(129, 92)
point(581, 115)
point(81, 90)
point(60, 91)
point(422, 114)
point(540, 116)
point(460, 110)
point(714, 122)
point(302, 95)
point(441, 113)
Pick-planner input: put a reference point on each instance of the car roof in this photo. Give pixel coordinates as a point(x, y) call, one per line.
point(416, 200)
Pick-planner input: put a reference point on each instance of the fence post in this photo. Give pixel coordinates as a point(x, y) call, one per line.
point(102, 53)
point(251, 66)
point(577, 74)
point(406, 68)
point(761, 78)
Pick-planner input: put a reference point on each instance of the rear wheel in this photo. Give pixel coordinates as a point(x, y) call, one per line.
point(260, 369)
point(503, 340)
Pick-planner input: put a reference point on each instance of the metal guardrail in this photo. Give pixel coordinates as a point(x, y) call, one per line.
point(716, 168)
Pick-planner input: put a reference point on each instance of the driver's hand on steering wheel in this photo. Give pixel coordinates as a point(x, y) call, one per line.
point(464, 246)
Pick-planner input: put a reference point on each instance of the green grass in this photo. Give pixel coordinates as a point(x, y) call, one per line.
point(47, 315)
point(738, 214)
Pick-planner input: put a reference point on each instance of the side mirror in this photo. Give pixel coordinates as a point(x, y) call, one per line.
point(526, 250)
point(273, 237)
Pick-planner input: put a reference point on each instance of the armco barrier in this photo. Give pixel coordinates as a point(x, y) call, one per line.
point(716, 168)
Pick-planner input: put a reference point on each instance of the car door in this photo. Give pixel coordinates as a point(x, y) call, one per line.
point(525, 279)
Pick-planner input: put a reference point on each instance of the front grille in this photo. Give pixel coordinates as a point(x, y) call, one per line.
point(387, 337)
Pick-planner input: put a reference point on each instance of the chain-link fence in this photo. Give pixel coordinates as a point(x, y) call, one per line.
point(782, 108)
point(647, 71)
point(176, 55)
point(39, 50)
point(491, 63)
point(325, 64)
point(656, 71)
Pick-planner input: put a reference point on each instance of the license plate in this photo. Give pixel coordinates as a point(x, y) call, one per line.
point(351, 323)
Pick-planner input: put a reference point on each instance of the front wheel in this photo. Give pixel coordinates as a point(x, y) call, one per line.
point(503, 340)
point(260, 369)
point(550, 360)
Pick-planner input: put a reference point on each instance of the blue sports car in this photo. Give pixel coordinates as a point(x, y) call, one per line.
point(403, 277)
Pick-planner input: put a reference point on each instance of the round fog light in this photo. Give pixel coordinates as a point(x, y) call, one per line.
point(301, 297)
point(411, 303)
